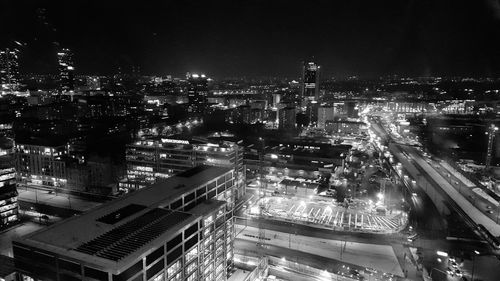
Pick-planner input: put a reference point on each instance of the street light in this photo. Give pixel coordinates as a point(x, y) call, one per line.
point(476, 253)
point(442, 254)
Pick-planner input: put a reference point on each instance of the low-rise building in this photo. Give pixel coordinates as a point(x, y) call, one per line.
point(42, 165)
point(178, 229)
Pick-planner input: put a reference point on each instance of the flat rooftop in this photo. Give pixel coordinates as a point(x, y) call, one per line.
point(108, 234)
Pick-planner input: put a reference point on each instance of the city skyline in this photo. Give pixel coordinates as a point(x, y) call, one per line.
point(250, 140)
point(257, 38)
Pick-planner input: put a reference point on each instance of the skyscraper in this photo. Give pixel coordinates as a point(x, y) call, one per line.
point(197, 91)
point(66, 70)
point(9, 70)
point(310, 81)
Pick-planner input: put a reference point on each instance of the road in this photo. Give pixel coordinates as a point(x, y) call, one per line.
point(379, 257)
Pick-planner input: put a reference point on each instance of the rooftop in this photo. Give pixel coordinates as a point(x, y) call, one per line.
point(133, 222)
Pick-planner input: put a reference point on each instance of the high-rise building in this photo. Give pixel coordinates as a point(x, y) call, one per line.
point(150, 161)
point(310, 81)
point(9, 70)
point(287, 118)
point(197, 92)
point(8, 191)
point(66, 70)
point(179, 229)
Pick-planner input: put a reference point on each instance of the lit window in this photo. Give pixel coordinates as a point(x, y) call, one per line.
point(193, 253)
point(173, 268)
point(160, 277)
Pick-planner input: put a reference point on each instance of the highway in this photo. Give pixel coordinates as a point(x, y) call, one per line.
point(421, 166)
point(437, 176)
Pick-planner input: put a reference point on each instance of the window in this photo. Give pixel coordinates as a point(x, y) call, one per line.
point(211, 185)
point(175, 254)
point(192, 277)
point(191, 242)
point(191, 267)
point(160, 277)
point(208, 239)
point(154, 255)
point(219, 269)
point(174, 242)
point(220, 213)
point(192, 254)
point(157, 267)
point(192, 229)
point(208, 269)
point(208, 220)
point(171, 270)
point(177, 277)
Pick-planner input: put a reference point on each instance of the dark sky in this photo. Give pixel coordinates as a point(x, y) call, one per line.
point(259, 38)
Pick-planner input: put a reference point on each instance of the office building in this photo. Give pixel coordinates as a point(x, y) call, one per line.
point(287, 117)
point(151, 161)
point(179, 229)
point(8, 191)
point(66, 70)
point(41, 165)
point(9, 70)
point(197, 92)
point(310, 81)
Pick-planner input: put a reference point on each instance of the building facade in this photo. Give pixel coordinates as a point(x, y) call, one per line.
point(310, 81)
point(66, 70)
point(180, 229)
point(9, 70)
point(8, 192)
point(41, 165)
point(325, 113)
point(151, 161)
point(287, 118)
point(197, 92)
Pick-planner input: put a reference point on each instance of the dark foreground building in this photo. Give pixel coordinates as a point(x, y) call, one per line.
point(179, 229)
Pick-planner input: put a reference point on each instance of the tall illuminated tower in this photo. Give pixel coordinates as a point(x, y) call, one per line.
point(9, 70)
point(197, 92)
point(66, 70)
point(310, 81)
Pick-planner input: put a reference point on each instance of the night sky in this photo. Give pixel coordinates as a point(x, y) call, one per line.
point(258, 38)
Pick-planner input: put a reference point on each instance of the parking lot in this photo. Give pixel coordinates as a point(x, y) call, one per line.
point(325, 214)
